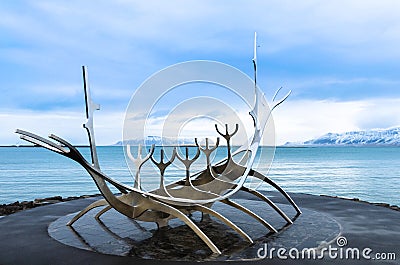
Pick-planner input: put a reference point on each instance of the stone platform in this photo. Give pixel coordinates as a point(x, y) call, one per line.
point(40, 236)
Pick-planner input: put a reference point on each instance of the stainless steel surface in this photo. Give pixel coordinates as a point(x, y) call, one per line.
point(197, 192)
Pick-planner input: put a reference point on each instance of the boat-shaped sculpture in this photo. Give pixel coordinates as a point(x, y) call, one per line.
point(198, 191)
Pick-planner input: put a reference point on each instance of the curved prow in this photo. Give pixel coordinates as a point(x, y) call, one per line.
point(66, 149)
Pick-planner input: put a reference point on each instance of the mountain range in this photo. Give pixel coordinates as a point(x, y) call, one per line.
point(381, 137)
point(157, 141)
point(385, 137)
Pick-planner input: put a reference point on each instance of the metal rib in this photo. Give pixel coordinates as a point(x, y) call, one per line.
point(178, 214)
point(103, 211)
point(255, 216)
point(87, 209)
point(207, 210)
point(267, 200)
point(258, 175)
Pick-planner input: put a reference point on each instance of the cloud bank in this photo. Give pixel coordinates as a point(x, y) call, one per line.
point(340, 59)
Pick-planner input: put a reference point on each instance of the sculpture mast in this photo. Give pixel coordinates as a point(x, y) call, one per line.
point(255, 59)
point(90, 108)
point(255, 108)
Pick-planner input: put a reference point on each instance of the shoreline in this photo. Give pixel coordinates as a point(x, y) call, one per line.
point(17, 206)
point(11, 208)
point(380, 204)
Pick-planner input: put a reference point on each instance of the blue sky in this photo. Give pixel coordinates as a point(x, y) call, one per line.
point(341, 59)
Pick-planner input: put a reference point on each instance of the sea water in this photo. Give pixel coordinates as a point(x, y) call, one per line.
point(367, 173)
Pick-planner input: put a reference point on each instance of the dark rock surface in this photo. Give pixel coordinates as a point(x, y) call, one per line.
point(117, 235)
point(381, 204)
point(6, 209)
point(26, 240)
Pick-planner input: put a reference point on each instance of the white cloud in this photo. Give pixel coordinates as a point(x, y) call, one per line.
point(350, 28)
point(295, 120)
point(125, 41)
point(301, 120)
point(57, 90)
point(68, 125)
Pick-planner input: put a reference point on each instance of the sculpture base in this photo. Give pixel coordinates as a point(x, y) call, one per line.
point(26, 240)
point(116, 234)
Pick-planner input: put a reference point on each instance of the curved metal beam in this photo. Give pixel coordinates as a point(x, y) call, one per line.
point(209, 211)
point(260, 176)
point(247, 211)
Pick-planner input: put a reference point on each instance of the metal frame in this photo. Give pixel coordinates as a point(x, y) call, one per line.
point(197, 192)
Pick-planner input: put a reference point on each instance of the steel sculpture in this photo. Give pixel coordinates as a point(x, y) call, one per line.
point(194, 192)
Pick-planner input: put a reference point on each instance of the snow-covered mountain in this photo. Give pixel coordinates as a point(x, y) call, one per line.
point(370, 137)
point(158, 141)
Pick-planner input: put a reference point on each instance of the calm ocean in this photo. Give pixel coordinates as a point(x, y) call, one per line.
point(368, 173)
